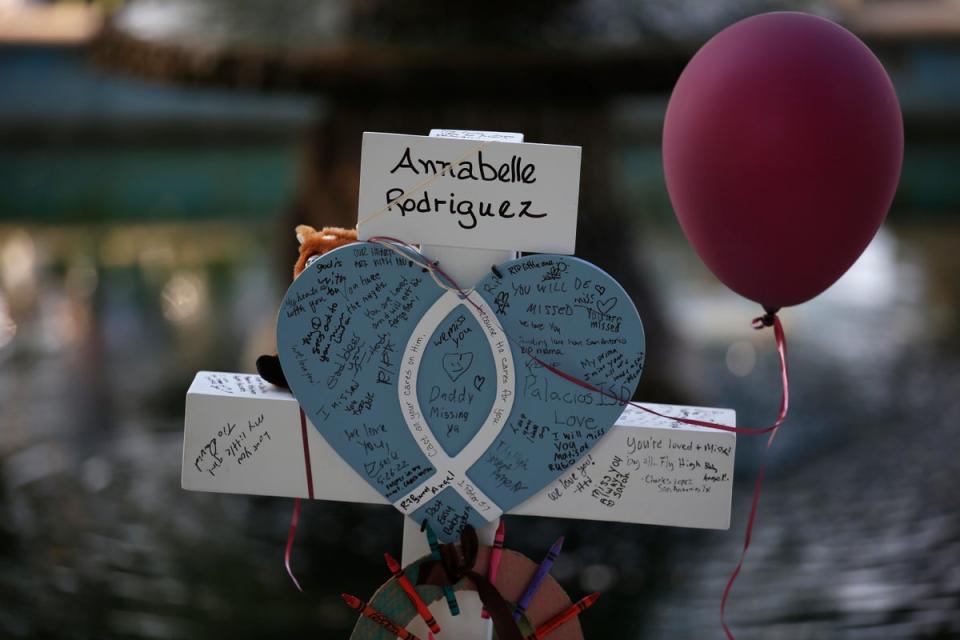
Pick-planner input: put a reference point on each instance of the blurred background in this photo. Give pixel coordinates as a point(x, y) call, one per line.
point(154, 158)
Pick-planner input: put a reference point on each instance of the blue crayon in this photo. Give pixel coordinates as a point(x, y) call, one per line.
point(537, 579)
point(435, 553)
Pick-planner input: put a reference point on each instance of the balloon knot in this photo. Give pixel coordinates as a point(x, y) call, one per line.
point(767, 319)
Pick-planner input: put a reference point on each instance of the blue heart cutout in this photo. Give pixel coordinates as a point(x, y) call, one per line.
point(436, 402)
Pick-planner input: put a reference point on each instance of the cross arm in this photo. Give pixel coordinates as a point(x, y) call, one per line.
point(244, 436)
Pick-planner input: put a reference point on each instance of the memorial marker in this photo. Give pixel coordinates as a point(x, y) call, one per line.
point(488, 196)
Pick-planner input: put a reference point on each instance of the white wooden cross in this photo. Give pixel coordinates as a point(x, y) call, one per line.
point(243, 435)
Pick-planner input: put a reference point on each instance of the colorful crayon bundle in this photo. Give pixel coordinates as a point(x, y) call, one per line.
point(423, 610)
point(536, 581)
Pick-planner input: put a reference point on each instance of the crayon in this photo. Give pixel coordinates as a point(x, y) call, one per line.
point(415, 598)
point(537, 579)
point(564, 616)
point(495, 554)
point(372, 614)
point(435, 554)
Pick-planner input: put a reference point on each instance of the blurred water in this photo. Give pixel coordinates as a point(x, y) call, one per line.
point(101, 331)
point(859, 526)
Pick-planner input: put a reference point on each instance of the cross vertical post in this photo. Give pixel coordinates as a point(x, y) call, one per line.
point(466, 266)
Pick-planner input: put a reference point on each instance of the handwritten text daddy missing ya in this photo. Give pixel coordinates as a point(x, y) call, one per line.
point(516, 171)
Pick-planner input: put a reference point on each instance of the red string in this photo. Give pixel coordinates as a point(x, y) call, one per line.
point(758, 485)
point(295, 518)
point(291, 536)
point(306, 453)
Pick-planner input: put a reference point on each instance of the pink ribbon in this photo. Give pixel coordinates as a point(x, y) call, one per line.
point(295, 518)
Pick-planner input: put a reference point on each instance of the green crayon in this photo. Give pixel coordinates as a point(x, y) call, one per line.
point(435, 553)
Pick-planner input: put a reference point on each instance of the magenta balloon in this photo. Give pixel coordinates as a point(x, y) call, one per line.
point(782, 148)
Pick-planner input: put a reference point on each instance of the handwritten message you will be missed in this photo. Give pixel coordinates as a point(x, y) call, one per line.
point(469, 193)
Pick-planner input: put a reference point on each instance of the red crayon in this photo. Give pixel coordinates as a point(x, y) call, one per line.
point(415, 598)
point(495, 554)
point(563, 617)
point(372, 614)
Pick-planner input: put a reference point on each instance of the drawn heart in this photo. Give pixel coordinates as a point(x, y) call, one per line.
point(606, 306)
point(456, 364)
point(374, 350)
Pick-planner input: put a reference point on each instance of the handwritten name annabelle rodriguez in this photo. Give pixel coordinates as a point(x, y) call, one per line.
point(468, 211)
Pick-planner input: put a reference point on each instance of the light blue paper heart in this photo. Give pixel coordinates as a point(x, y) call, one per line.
point(438, 404)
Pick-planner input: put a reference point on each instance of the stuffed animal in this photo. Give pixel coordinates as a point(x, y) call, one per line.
point(313, 244)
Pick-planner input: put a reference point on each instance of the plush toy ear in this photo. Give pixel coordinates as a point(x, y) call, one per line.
point(304, 231)
point(269, 369)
